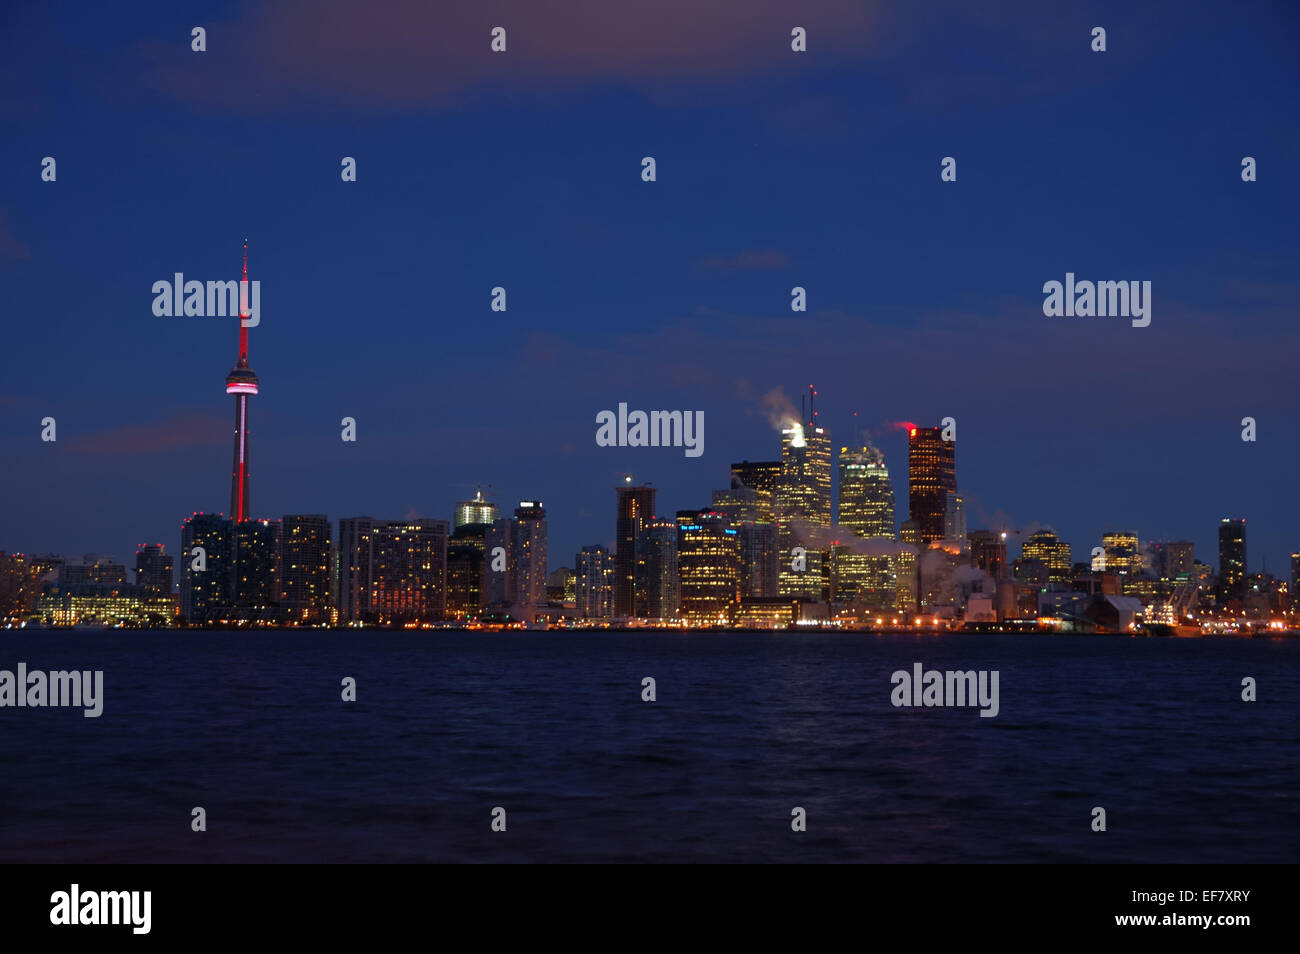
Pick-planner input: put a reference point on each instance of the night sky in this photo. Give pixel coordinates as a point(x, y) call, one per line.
point(523, 170)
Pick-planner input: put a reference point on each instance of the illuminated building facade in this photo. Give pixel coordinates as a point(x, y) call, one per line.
point(1052, 552)
point(408, 570)
point(708, 560)
point(1123, 555)
point(104, 604)
point(527, 556)
point(802, 505)
point(478, 510)
point(594, 583)
point(256, 564)
point(306, 565)
point(866, 493)
point(207, 577)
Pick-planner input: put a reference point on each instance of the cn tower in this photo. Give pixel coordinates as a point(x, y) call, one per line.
point(241, 382)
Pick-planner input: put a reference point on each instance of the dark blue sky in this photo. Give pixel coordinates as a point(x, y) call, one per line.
point(522, 169)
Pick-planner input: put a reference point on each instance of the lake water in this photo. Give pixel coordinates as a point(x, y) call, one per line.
point(746, 727)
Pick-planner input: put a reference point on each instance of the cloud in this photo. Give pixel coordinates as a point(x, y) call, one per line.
point(766, 260)
point(191, 430)
point(405, 52)
point(11, 248)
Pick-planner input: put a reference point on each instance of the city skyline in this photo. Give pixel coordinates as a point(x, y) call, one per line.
point(819, 171)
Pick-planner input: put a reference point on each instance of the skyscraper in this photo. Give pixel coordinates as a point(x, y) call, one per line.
point(636, 508)
point(802, 505)
point(761, 477)
point(256, 564)
point(1053, 553)
point(153, 568)
point(528, 558)
point(1122, 552)
point(306, 541)
point(1179, 558)
point(931, 476)
point(207, 575)
point(708, 561)
point(242, 383)
point(1232, 559)
point(478, 510)
point(657, 562)
point(866, 494)
point(466, 562)
point(594, 584)
point(355, 568)
point(409, 570)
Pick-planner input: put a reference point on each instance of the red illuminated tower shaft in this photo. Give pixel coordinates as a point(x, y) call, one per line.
point(241, 382)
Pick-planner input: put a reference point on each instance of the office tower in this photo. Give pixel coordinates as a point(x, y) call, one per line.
point(466, 566)
point(154, 568)
point(931, 476)
point(866, 493)
point(1122, 554)
point(594, 586)
point(207, 573)
point(1051, 552)
point(761, 477)
point(1232, 559)
point(528, 558)
point(803, 489)
point(257, 564)
point(802, 505)
point(306, 542)
point(657, 562)
point(242, 383)
point(708, 562)
point(636, 507)
point(409, 570)
point(355, 568)
point(1179, 559)
point(954, 517)
point(478, 510)
point(988, 551)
